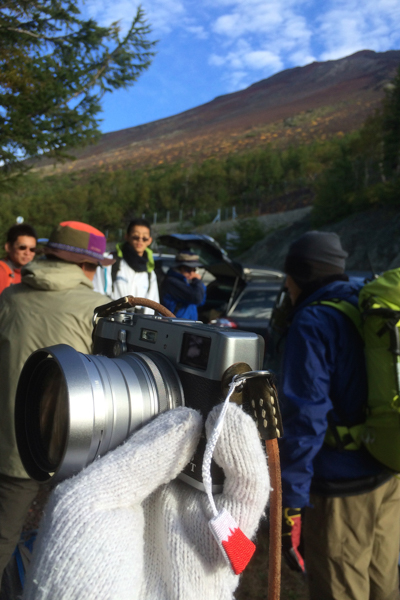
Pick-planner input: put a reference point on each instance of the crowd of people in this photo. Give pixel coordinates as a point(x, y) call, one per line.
point(129, 270)
point(341, 507)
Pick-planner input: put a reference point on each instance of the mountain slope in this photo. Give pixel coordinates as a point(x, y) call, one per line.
point(297, 104)
point(370, 237)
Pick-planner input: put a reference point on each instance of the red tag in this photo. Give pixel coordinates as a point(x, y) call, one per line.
point(236, 547)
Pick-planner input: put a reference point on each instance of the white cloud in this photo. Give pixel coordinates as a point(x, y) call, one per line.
point(198, 31)
point(301, 58)
point(260, 37)
point(257, 38)
point(248, 40)
point(217, 61)
point(237, 80)
point(261, 59)
point(250, 59)
point(348, 27)
point(243, 65)
point(259, 19)
point(163, 15)
point(227, 25)
point(295, 32)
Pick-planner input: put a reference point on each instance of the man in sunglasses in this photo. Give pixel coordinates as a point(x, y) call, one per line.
point(133, 271)
point(20, 249)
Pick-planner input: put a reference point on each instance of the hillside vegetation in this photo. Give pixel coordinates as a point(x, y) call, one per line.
point(263, 180)
point(338, 176)
point(367, 170)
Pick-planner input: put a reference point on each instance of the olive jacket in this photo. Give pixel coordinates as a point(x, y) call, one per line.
point(53, 304)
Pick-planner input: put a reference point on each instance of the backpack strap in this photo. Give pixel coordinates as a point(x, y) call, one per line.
point(392, 318)
point(341, 436)
point(346, 308)
point(150, 266)
point(150, 260)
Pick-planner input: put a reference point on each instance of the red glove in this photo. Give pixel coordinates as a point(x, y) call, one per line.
point(291, 531)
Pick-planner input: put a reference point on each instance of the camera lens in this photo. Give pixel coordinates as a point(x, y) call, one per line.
point(72, 408)
point(46, 417)
point(52, 407)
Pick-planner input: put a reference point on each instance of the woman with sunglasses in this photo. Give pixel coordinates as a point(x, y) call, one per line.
point(20, 250)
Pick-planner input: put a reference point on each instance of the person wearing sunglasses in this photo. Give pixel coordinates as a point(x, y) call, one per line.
point(182, 290)
point(133, 271)
point(20, 250)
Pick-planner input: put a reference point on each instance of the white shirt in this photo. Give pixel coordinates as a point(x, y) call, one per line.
point(127, 283)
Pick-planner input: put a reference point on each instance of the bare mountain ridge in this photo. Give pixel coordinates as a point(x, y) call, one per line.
point(318, 100)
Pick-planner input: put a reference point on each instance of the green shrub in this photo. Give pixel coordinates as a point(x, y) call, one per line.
point(247, 233)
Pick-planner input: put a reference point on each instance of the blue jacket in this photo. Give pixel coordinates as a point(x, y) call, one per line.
point(181, 297)
point(323, 372)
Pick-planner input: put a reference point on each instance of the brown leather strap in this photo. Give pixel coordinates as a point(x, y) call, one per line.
point(275, 520)
point(129, 302)
point(260, 394)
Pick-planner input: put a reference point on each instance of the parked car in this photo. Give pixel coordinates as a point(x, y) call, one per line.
point(225, 278)
point(253, 308)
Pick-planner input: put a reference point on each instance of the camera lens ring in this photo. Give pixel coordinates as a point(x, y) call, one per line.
point(108, 399)
point(43, 422)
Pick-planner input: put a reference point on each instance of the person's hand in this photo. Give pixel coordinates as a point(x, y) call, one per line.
point(291, 533)
point(124, 529)
point(193, 275)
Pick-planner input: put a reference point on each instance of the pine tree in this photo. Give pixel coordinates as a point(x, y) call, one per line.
point(54, 69)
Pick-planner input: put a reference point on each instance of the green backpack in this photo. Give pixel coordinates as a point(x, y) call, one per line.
point(377, 318)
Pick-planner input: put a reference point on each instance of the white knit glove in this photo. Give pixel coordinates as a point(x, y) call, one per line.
point(123, 530)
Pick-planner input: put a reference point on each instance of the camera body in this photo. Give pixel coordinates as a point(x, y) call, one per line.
point(72, 408)
point(199, 353)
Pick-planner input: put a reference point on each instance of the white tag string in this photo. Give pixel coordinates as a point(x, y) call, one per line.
point(211, 443)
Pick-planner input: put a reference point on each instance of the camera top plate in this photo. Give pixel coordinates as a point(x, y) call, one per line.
point(191, 346)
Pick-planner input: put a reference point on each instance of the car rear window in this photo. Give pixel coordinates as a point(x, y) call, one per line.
point(255, 303)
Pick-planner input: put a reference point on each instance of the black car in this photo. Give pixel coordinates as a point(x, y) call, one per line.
point(225, 279)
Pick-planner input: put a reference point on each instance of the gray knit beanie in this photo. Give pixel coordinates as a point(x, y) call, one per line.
point(315, 256)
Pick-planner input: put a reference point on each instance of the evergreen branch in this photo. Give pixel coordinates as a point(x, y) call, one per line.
point(34, 35)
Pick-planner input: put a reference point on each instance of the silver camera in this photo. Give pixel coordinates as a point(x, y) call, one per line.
point(72, 408)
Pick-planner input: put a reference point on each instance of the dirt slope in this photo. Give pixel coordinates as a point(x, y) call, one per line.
point(317, 100)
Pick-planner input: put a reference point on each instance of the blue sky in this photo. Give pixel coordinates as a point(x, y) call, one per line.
point(208, 48)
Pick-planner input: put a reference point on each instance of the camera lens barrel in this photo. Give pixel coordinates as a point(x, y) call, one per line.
point(72, 408)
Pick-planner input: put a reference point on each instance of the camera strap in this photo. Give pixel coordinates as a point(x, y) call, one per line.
point(257, 394)
point(128, 302)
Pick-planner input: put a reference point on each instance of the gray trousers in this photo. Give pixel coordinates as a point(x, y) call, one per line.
point(16, 495)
